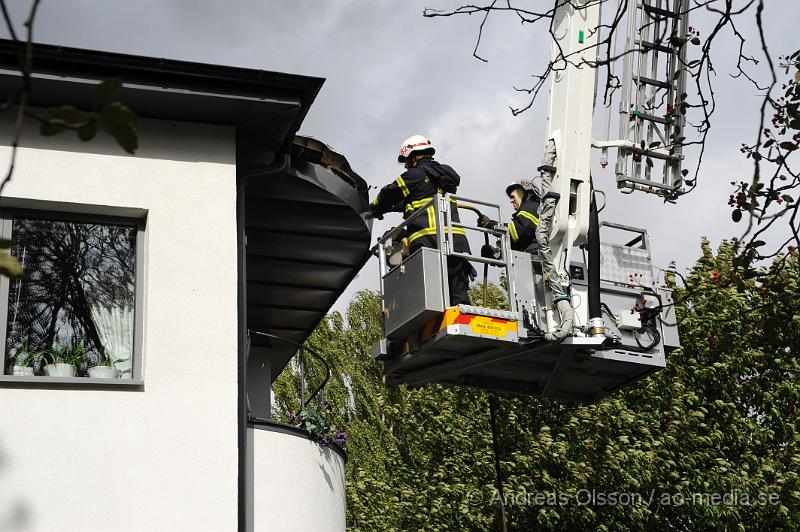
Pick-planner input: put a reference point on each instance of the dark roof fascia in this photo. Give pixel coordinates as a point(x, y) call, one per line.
point(167, 73)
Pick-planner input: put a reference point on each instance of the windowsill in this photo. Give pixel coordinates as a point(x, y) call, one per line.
point(45, 382)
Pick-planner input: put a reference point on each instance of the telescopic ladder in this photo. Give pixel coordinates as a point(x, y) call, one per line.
point(652, 104)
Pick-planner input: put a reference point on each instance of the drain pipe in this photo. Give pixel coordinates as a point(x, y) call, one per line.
point(245, 513)
point(595, 325)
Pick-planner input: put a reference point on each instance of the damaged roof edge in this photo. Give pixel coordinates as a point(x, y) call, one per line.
point(314, 151)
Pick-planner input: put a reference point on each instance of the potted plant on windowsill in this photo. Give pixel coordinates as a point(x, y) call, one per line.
point(101, 366)
point(64, 360)
point(25, 360)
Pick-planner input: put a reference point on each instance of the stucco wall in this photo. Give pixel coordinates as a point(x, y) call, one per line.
point(296, 484)
point(165, 457)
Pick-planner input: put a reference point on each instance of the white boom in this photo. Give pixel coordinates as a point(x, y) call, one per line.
point(565, 170)
point(650, 122)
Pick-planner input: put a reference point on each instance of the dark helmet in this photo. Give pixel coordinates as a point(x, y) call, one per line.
point(527, 187)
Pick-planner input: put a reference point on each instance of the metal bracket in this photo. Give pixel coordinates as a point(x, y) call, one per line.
point(380, 349)
point(413, 343)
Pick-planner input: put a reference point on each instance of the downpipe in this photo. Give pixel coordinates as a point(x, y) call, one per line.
point(243, 347)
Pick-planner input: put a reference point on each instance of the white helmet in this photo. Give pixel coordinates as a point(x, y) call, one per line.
point(414, 143)
point(525, 184)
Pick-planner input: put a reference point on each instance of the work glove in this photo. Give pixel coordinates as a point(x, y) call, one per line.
point(374, 213)
point(486, 222)
point(472, 273)
point(488, 251)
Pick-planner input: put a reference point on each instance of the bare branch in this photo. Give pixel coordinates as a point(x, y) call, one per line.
point(9, 24)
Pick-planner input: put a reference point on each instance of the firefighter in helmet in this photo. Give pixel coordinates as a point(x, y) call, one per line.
point(423, 179)
point(522, 227)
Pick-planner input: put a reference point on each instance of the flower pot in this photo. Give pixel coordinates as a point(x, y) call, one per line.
point(103, 372)
point(59, 370)
point(22, 371)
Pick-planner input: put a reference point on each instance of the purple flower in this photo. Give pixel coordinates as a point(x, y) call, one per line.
point(294, 417)
point(324, 441)
point(341, 438)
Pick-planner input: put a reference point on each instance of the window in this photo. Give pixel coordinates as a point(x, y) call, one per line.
point(73, 314)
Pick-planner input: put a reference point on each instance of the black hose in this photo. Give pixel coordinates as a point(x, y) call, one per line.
point(652, 331)
point(593, 266)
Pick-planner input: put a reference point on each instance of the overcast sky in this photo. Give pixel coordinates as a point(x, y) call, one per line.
point(392, 73)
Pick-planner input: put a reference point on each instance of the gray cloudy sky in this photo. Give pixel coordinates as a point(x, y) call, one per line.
point(392, 73)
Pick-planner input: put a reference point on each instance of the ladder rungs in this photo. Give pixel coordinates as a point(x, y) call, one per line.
point(643, 182)
point(663, 192)
point(652, 10)
point(658, 47)
point(655, 82)
point(657, 154)
point(651, 118)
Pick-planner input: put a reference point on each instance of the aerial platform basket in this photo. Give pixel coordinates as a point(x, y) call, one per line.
point(426, 341)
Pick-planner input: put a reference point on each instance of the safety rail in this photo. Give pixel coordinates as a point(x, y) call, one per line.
point(445, 239)
point(505, 245)
point(389, 235)
point(302, 349)
point(640, 239)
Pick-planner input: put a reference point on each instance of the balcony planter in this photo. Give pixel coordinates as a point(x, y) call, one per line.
point(22, 371)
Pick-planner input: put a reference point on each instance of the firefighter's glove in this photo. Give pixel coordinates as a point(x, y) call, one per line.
point(488, 251)
point(374, 212)
point(486, 222)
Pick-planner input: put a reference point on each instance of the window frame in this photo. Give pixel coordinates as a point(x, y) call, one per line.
point(107, 215)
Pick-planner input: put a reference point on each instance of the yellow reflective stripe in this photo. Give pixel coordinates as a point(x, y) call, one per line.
point(432, 231)
point(529, 216)
point(417, 204)
point(513, 230)
point(431, 217)
point(402, 184)
point(375, 201)
point(421, 233)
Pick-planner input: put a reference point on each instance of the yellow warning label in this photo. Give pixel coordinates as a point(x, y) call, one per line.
point(487, 326)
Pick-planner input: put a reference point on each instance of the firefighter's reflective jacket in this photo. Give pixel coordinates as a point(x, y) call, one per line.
point(522, 227)
point(413, 190)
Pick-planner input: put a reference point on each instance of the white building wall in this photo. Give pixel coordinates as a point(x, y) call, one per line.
point(163, 457)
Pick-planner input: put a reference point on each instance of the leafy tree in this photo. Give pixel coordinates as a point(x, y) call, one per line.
point(720, 419)
point(414, 454)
